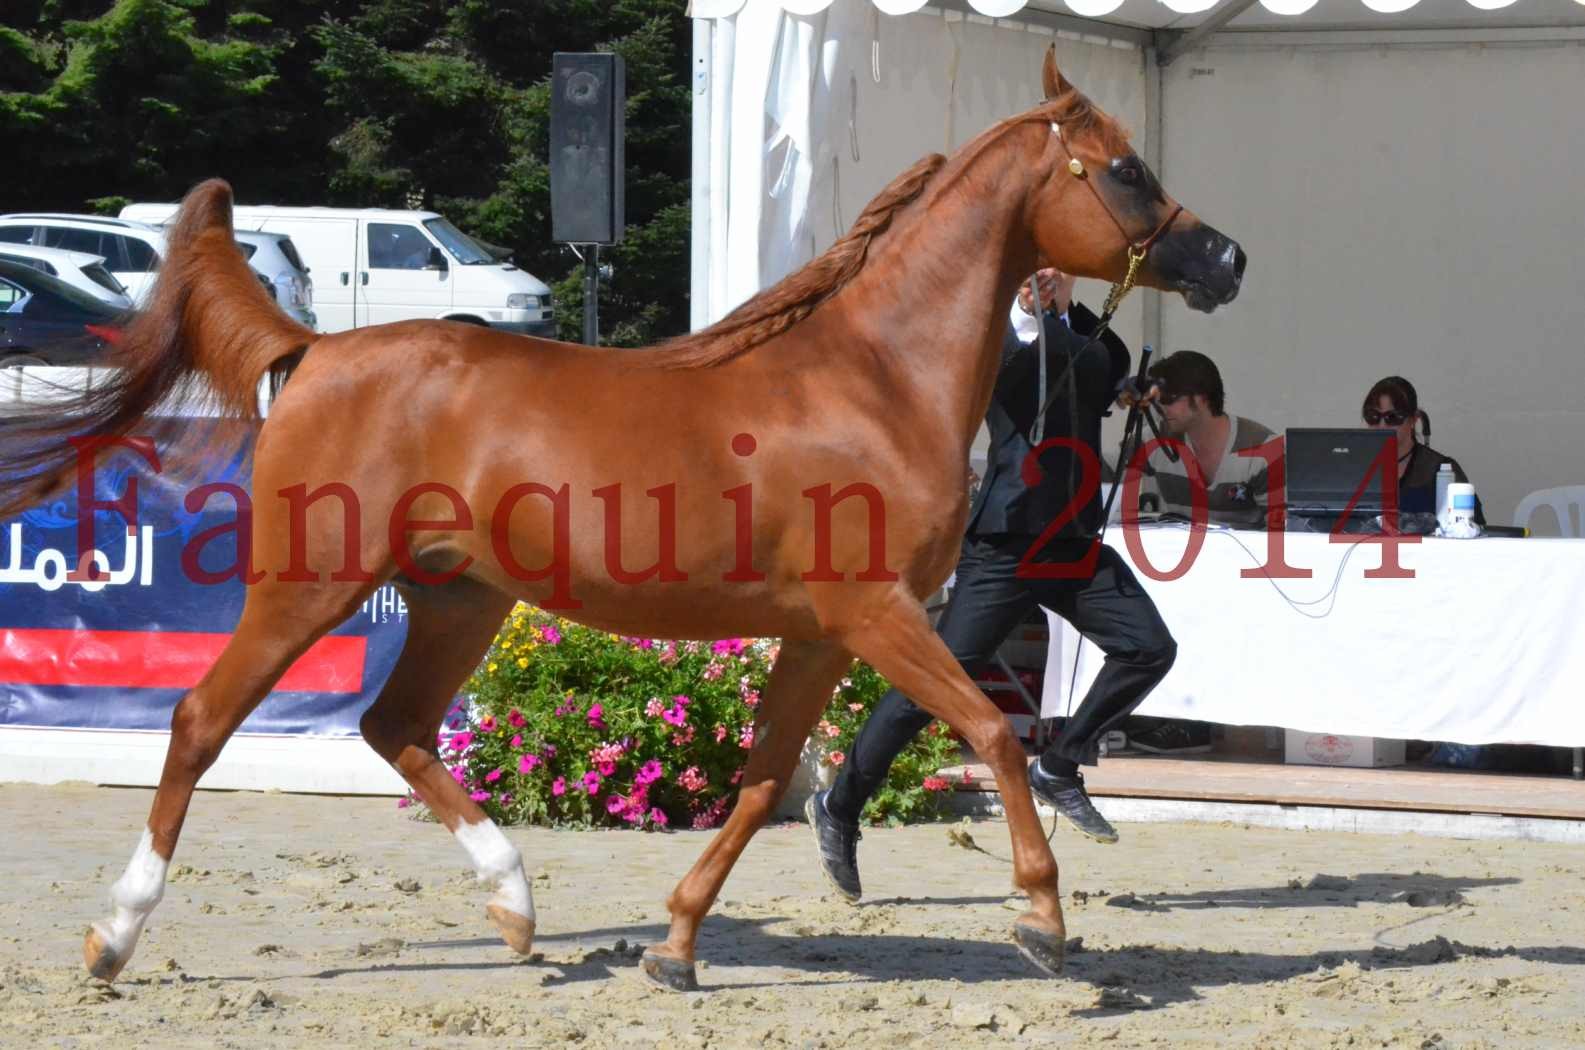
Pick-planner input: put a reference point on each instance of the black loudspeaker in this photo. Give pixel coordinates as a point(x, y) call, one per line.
point(588, 92)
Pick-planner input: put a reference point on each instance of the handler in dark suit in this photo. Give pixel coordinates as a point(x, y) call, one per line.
point(1101, 599)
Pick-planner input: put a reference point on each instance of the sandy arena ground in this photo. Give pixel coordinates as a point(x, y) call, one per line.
point(297, 921)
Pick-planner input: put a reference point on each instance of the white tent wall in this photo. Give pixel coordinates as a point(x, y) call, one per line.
point(813, 135)
point(1409, 208)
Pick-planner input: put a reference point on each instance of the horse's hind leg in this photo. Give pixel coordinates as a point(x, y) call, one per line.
point(279, 622)
point(448, 630)
point(901, 646)
point(800, 686)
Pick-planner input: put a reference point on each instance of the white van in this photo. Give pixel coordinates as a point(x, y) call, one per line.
point(372, 265)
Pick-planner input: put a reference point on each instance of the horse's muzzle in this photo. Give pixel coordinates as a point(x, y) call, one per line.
point(1201, 263)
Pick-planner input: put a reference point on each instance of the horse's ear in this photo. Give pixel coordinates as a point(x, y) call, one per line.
point(1055, 83)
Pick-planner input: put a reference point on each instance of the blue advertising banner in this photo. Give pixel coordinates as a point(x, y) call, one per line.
point(118, 650)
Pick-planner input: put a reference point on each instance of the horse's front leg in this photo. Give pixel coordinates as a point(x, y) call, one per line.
point(799, 687)
point(901, 647)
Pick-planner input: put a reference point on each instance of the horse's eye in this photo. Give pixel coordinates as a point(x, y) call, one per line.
point(1129, 175)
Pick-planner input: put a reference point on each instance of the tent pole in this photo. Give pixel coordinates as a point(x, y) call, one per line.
point(1213, 24)
point(700, 185)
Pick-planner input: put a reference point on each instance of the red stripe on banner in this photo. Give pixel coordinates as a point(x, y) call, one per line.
point(162, 660)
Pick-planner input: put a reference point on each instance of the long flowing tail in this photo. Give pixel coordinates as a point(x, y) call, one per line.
point(208, 331)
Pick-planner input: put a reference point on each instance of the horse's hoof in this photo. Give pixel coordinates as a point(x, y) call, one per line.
point(103, 961)
point(674, 975)
point(516, 930)
point(1039, 947)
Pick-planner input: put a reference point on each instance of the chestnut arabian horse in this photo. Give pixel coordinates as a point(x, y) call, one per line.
point(474, 468)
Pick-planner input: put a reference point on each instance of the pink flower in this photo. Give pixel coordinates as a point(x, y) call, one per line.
point(644, 643)
point(650, 772)
point(517, 741)
point(828, 729)
point(458, 774)
point(720, 733)
point(515, 719)
point(403, 802)
point(836, 758)
point(675, 715)
point(936, 784)
point(550, 751)
point(615, 804)
point(730, 646)
point(596, 719)
point(526, 764)
point(692, 780)
point(658, 817)
point(480, 796)
point(654, 708)
point(460, 741)
point(751, 698)
point(668, 655)
point(682, 699)
point(492, 776)
point(682, 739)
point(606, 768)
point(591, 782)
point(559, 786)
point(550, 634)
point(487, 724)
point(855, 708)
point(745, 739)
point(712, 672)
point(736, 777)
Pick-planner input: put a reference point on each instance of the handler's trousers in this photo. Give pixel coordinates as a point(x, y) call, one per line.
point(988, 601)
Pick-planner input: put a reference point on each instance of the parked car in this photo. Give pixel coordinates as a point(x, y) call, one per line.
point(274, 258)
point(45, 321)
point(81, 270)
point(132, 250)
point(373, 265)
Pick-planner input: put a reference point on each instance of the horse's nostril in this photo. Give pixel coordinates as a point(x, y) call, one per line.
point(1239, 260)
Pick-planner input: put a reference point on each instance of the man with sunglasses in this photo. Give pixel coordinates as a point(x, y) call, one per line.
point(995, 590)
point(1191, 404)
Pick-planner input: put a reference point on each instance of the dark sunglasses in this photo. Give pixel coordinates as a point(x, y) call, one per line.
point(1392, 419)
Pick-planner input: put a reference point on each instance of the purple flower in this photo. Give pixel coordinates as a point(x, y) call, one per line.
point(559, 786)
point(492, 776)
point(591, 782)
point(480, 796)
point(526, 764)
point(675, 715)
point(658, 817)
point(403, 802)
point(551, 635)
point(615, 804)
point(460, 741)
point(597, 716)
point(650, 772)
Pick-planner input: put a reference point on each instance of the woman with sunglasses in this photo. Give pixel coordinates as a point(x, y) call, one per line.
point(1393, 404)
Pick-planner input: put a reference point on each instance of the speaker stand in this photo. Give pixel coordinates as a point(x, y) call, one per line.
point(591, 295)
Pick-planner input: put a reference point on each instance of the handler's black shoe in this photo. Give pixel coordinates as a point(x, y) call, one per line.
point(838, 844)
point(1067, 796)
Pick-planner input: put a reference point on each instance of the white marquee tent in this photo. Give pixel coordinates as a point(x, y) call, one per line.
point(1403, 176)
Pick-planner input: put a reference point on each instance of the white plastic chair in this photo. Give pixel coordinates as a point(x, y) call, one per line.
point(1566, 501)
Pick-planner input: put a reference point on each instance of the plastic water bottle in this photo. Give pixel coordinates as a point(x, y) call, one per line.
point(1444, 478)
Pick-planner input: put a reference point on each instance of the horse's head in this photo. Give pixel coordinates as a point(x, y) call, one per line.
point(1099, 205)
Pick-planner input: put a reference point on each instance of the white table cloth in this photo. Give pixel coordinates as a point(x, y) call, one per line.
point(1484, 645)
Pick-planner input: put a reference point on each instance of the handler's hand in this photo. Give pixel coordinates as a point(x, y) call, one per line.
point(1129, 392)
point(1056, 291)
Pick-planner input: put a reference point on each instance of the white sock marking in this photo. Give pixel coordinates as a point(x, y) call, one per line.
point(497, 861)
point(133, 897)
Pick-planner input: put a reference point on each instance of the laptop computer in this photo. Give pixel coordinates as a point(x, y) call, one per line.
point(1326, 468)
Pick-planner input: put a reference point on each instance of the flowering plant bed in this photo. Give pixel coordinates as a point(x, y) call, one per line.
point(562, 724)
